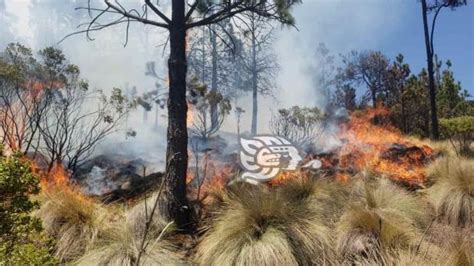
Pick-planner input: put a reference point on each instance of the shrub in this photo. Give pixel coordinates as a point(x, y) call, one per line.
point(211, 109)
point(460, 130)
point(302, 126)
point(256, 226)
point(21, 238)
point(453, 190)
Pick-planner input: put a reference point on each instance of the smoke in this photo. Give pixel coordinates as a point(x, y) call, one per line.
point(105, 62)
point(343, 26)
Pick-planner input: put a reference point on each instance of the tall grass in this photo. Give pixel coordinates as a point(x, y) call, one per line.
point(328, 196)
point(121, 246)
point(255, 226)
point(121, 241)
point(72, 220)
point(380, 219)
point(452, 193)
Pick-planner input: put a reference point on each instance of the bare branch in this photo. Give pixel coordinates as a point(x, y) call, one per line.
point(158, 12)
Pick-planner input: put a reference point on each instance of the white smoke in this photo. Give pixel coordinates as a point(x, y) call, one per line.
point(343, 25)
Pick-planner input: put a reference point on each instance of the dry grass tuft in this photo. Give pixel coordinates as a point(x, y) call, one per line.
point(459, 254)
point(73, 220)
point(452, 194)
point(121, 241)
point(255, 226)
point(138, 215)
point(326, 195)
point(120, 246)
point(382, 218)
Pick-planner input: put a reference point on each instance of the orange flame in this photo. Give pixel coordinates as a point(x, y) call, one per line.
point(215, 177)
point(190, 116)
point(367, 142)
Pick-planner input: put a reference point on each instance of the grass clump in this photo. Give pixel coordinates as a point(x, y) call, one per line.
point(73, 220)
point(121, 240)
point(453, 190)
point(258, 226)
point(380, 219)
point(327, 195)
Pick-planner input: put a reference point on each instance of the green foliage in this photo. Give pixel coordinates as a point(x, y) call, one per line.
point(21, 239)
point(459, 125)
point(451, 98)
point(206, 102)
point(277, 9)
point(367, 69)
point(393, 85)
point(16, 184)
point(416, 104)
point(460, 130)
point(300, 125)
point(28, 254)
point(345, 97)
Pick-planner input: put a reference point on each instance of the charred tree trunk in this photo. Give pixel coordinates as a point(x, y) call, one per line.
point(213, 107)
point(431, 82)
point(254, 82)
point(177, 135)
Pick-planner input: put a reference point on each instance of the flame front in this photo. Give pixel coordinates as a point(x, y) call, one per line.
point(366, 143)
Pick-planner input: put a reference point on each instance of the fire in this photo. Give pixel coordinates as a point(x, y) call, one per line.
point(282, 177)
point(57, 176)
point(38, 86)
point(190, 116)
point(57, 179)
point(213, 176)
point(18, 110)
point(369, 143)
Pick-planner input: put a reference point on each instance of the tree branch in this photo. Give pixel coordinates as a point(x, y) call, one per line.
point(158, 12)
point(433, 25)
point(138, 18)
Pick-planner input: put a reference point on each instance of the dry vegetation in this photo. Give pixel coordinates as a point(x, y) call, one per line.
point(255, 226)
point(88, 233)
point(311, 220)
point(453, 190)
point(73, 220)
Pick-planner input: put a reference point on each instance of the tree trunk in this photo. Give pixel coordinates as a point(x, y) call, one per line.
point(213, 107)
point(374, 97)
point(177, 135)
point(402, 102)
point(431, 83)
point(254, 83)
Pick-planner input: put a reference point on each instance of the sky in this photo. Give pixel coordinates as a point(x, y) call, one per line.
point(391, 26)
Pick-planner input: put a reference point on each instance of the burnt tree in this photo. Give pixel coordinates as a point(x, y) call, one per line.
point(185, 15)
